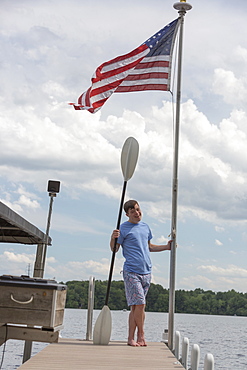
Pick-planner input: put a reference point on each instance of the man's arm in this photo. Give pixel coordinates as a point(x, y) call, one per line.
point(159, 248)
point(115, 234)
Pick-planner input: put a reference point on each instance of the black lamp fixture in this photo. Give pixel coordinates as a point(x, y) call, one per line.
point(53, 187)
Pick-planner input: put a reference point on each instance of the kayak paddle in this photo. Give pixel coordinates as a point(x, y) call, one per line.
point(103, 324)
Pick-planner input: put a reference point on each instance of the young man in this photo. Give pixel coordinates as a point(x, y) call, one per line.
point(135, 238)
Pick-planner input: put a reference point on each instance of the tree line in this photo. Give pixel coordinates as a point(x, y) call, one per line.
point(196, 301)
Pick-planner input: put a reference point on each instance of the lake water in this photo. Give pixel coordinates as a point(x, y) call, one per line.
point(223, 336)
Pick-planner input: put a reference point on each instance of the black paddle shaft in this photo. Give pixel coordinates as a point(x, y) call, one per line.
point(115, 243)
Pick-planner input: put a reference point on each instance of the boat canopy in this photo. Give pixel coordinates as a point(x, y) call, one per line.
point(15, 229)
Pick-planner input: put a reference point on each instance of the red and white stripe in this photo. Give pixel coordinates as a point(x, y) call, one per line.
point(108, 77)
point(152, 73)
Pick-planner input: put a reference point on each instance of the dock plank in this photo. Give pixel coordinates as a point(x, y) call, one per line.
point(73, 354)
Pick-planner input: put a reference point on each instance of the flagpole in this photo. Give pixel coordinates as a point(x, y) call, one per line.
point(182, 8)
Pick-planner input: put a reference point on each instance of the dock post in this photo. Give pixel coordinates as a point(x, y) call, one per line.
point(176, 348)
point(185, 351)
point(209, 362)
point(90, 308)
point(165, 336)
point(27, 351)
point(195, 357)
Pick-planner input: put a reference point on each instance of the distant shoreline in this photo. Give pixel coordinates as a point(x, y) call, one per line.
point(198, 301)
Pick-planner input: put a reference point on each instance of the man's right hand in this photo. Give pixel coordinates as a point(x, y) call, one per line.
point(115, 234)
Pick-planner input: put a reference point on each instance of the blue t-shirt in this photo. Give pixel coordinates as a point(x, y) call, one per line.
point(134, 241)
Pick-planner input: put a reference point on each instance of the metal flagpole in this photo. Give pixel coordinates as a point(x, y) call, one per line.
point(182, 7)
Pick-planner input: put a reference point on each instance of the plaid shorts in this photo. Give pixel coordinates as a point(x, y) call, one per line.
point(136, 287)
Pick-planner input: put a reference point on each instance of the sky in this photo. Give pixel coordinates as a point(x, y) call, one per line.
point(49, 51)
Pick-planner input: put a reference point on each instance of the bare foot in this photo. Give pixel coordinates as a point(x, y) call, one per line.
point(133, 343)
point(141, 341)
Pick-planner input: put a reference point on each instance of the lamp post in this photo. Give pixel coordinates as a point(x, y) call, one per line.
point(53, 189)
point(39, 266)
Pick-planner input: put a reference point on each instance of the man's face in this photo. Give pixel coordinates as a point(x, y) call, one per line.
point(134, 214)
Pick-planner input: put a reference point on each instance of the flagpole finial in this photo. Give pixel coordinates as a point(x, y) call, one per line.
point(182, 6)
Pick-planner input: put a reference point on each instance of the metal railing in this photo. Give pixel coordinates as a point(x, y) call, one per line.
point(90, 308)
point(195, 354)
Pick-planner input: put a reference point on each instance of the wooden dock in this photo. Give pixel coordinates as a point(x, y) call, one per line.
point(74, 354)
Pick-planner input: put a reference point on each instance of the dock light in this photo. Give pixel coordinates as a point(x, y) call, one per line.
point(53, 187)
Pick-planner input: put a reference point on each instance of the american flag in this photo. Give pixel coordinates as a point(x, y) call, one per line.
point(147, 67)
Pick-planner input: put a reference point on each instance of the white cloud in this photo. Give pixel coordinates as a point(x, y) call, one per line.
point(82, 270)
point(162, 240)
point(219, 229)
point(28, 202)
point(102, 185)
point(97, 267)
point(233, 89)
point(18, 258)
point(218, 242)
point(241, 53)
point(160, 280)
point(87, 155)
point(193, 282)
point(231, 270)
point(217, 284)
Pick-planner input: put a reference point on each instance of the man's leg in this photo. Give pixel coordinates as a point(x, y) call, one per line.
point(139, 315)
point(136, 320)
point(132, 328)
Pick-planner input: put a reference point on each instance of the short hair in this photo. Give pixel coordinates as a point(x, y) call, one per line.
point(130, 204)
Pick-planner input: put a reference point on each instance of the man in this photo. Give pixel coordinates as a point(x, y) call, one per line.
point(135, 238)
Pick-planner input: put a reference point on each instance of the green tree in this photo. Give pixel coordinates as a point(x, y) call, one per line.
point(195, 301)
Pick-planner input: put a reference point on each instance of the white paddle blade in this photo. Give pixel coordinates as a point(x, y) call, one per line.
point(129, 157)
point(102, 327)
